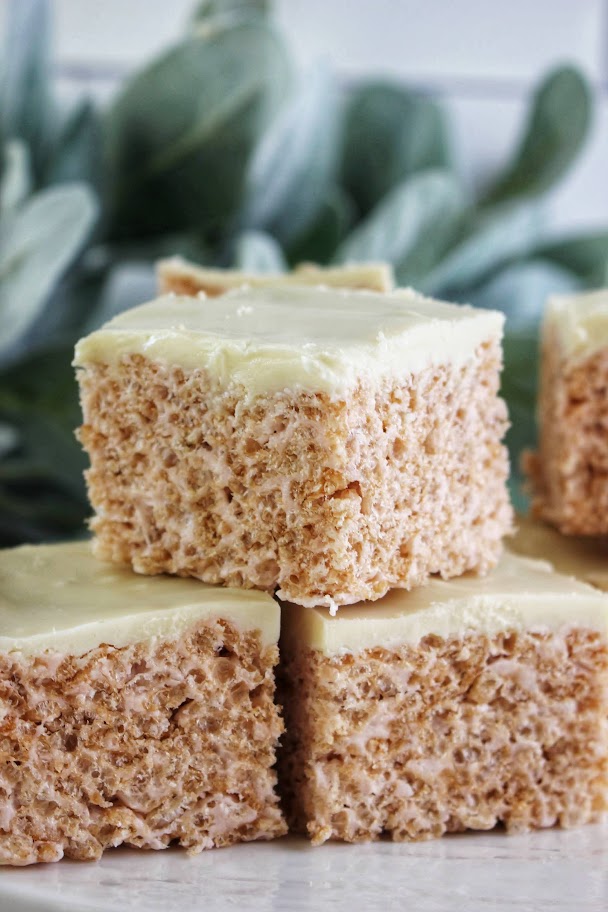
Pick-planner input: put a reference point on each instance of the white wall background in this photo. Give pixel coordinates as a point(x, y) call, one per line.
point(481, 57)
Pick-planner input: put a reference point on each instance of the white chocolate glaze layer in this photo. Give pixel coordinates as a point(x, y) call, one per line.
point(519, 594)
point(582, 556)
point(285, 337)
point(60, 598)
point(579, 321)
point(379, 276)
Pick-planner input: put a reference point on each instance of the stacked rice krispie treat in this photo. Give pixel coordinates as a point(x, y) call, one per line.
point(458, 705)
point(328, 444)
point(568, 522)
point(336, 443)
point(569, 473)
point(133, 710)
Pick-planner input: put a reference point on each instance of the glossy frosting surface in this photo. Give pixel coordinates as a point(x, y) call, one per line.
point(585, 557)
point(60, 597)
point(285, 337)
point(520, 594)
point(580, 322)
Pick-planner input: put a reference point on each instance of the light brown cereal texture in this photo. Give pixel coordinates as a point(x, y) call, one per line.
point(162, 742)
point(569, 473)
point(330, 499)
point(445, 736)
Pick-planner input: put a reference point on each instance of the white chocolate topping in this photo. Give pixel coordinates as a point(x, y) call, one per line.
point(518, 595)
point(60, 598)
point(175, 271)
point(580, 322)
point(286, 337)
point(581, 556)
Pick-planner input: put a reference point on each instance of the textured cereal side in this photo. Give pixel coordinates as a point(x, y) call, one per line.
point(445, 736)
point(330, 500)
point(160, 742)
point(569, 473)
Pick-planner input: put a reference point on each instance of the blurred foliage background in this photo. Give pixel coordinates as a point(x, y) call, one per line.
point(216, 150)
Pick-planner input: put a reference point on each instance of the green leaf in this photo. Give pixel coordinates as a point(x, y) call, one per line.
point(585, 255)
point(39, 515)
point(294, 166)
point(125, 285)
point(404, 220)
point(76, 153)
point(390, 133)
point(186, 244)
point(443, 233)
point(255, 251)
point(521, 292)
point(16, 179)
point(25, 102)
point(42, 493)
point(554, 135)
point(45, 415)
point(21, 390)
point(37, 243)
point(493, 238)
point(9, 439)
point(180, 134)
point(333, 222)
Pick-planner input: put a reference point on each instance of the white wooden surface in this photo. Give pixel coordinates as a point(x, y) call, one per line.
point(550, 871)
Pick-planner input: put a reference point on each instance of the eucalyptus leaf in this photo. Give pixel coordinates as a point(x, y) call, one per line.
point(45, 416)
point(15, 183)
point(390, 133)
point(180, 134)
point(37, 244)
point(294, 166)
point(21, 392)
point(432, 246)
point(186, 244)
point(26, 107)
point(493, 238)
point(255, 251)
point(318, 244)
point(127, 285)
point(56, 449)
point(404, 219)
point(39, 515)
point(9, 439)
point(76, 153)
point(554, 135)
point(521, 292)
point(585, 255)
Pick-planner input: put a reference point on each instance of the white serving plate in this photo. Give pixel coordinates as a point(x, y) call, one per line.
point(484, 872)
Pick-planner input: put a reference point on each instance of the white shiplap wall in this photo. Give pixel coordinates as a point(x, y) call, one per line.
point(481, 57)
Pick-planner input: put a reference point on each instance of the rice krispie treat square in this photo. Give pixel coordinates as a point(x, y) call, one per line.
point(330, 443)
point(184, 278)
point(133, 710)
point(569, 473)
point(457, 706)
point(582, 556)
